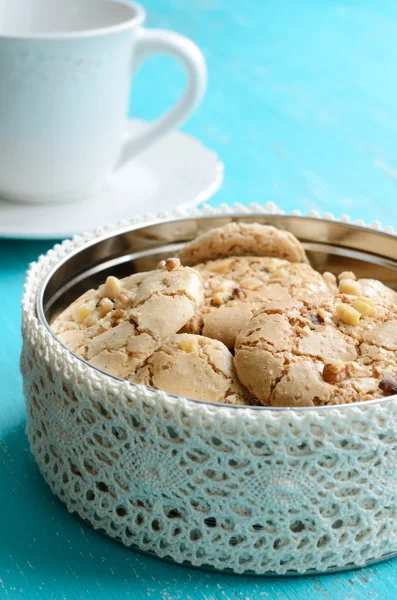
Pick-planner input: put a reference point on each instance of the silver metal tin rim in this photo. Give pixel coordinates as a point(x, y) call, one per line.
point(385, 261)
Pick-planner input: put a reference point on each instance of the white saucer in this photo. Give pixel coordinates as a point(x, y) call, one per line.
point(177, 172)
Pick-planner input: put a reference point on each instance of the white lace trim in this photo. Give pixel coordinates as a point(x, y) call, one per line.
point(250, 490)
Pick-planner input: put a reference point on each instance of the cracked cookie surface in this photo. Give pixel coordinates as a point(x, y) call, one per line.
point(195, 367)
point(318, 351)
point(119, 325)
point(243, 239)
point(236, 287)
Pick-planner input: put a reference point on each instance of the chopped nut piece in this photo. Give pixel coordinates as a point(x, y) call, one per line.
point(112, 287)
point(347, 275)
point(251, 283)
point(237, 292)
point(348, 314)
point(275, 265)
point(349, 286)
point(388, 385)
point(331, 282)
point(117, 315)
point(103, 327)
point(315, 319)
point(123, 299)
point(104, 306)
point(329, 277)
point(222, 285)
point(221, 267)
point(92, 318)
point(334, 371)
point(189, 345)
point(172, 263)
point(81, 312)
point(365, 309)
point(220, 298)
point(161, 265)
point(368, 301)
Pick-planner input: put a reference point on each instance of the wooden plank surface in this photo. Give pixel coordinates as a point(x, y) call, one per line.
point(302, 108)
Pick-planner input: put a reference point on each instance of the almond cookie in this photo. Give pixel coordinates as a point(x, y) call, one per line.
point(243, 239)
point(347, 282)
point(236, 287)
point(118, 326)
point(195, 367)
point(314, 351)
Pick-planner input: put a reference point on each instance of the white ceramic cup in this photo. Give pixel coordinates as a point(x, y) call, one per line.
point(65, 75)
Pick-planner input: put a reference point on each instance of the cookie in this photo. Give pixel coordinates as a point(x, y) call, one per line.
point(235, 288)
point(312, 351)
point(195, 367)
point(378, 291)
point(372, 288)
point(243, 239)
point(118, 326)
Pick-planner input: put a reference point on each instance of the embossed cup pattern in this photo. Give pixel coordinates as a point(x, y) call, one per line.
point(63, 113)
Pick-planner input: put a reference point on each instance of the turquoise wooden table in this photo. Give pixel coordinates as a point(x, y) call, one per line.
point(302, 107)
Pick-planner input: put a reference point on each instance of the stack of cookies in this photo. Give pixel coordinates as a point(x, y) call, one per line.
point(240, 317)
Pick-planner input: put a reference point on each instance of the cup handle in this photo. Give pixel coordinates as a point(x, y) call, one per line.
point(158, 41)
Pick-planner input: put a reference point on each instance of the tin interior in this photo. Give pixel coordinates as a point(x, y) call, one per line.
point(330, 246)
